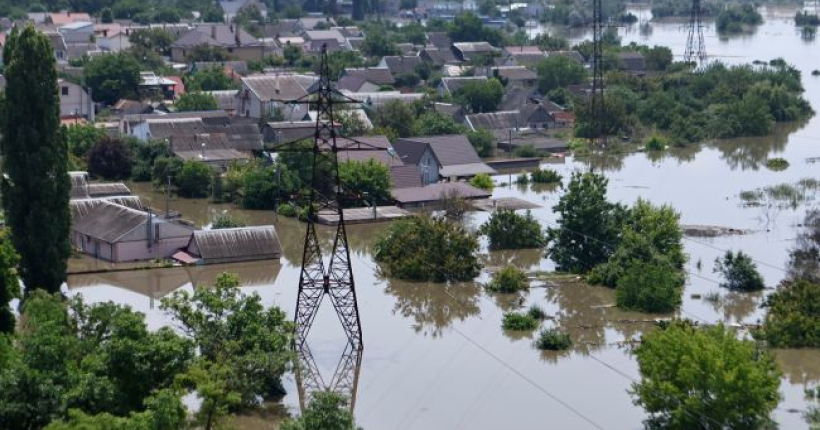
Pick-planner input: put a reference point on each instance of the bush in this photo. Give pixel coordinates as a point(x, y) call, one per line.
point(526, 151)
point(288, 210)
point(777, 164)
point(656, 142)
point(258, 187)
point(428, 249)
point(482, 181)
point(326, 410)
point(194, 179)
point(368, 179)
point(483, 141)
point(510, 279)
point(225, 220)
point(110, 158)
point(536, 312)
point(692, 375)
point(550, 339)
point(163, 167)
point(739, 272)
point(519, 322)
point(653, 286)
point(793, 317)
point(508, 230)
point(545, 176)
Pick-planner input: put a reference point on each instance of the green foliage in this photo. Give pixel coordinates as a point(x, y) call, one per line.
point(588, 225)
point(81, 137)
point(649, 286)
point(739, 272)
point(735, 17)
point(793, 317)
point(225, 220)
point(516, 321)
point(483, 141)
point(144, 156)
point(481, 96)
point(35, 185)
point(244, 348)
point(691, 376)
point(377, 44)
point(526, 151)
point(428, 249)
point(777, 164)
point(559, 71)
point(165, 167)
point(506, 229)
point(207, 53)
point(483, 181)
point(193, 179)
point(550, 339)
point(110, 158)
point(156, 41)
point(550, 43)
point(326, 411)
point(433, 123)
point(804, 18)
point(467, 27)
point(545, 176)
point(656, 142)
point(510, 279)
point(163, 411)
point(9, 286)
point(368, 179)
point(259, 187)
point(209, 79)
point(112, 77)
point(195, 101)
point(395, 115)
point(657, 58)
point(536, 312)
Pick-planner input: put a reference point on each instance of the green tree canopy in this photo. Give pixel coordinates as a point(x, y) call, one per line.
point(739, 272)
point(112, 77)
point(558, 71)
point(649, 286)
point(434, 123)
point(194, 179)
point(9, 286)
point(196, 101)
point(693, 378)
point(481, 96)
point(110, 158)
point(508, 230)
point(35, 183)
point(395, 115)
point(483, 141)
point(793, 316)
point(326, 411)
point(369, 180)
point(468, 27)
point(209, 79)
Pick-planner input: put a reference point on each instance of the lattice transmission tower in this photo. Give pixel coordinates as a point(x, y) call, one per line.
point(695, 45)
point(597, 102)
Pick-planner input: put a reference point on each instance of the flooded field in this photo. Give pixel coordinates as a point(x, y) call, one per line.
point(435, 356)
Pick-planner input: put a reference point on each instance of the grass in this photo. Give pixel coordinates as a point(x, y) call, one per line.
point(777, 164)
point(551, 339)
point(517, 321)
point(782, 194)
point(537, 313)
point(545, 176)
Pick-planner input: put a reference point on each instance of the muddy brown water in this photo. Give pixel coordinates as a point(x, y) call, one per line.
point(435, 356)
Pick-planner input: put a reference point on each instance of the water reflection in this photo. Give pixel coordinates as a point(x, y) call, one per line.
point(737, 306)
point(800, 366)
point(751, 153)
point(344, 381)
point(433, 307)
point(524, 259)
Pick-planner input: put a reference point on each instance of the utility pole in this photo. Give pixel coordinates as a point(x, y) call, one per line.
point(695, 45)
point(597, 103)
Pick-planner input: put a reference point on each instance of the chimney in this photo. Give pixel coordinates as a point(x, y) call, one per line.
point(213, 31)
point(276, 88)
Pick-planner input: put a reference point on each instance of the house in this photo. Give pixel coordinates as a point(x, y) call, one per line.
point(140, 125)
point(529, 116)
point(439, 57)
point(232, 245)
point(449, 86)
point(282, 28)
point(237, 43)
point(262, 95)
point(231, 68)
point(401, 65)
point(454, 111)
point(81, 188)
point(632, 62)
point(439, 39)
point(528, 56)
point(150, 83)
point(81, 207)
point(75, 102)
point(517, 75)
point(111, 37)
point(225, 100)
point(243, 137)
point(77, 32)
point(58, 45)
point(380, 98)
point(436, 157)
point(332, 34)
point(314, 22)
point(118, 233)
point(434, 194)
point(472, 51)
point(131, 107)
point(58, 19)
point(283, 132)
point(213, 149)
point(231, 8)
point(375, 77)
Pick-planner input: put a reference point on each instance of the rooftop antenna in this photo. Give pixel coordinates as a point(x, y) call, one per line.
point(695, 45)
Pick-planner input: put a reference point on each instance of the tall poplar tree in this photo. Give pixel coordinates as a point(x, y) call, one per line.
point(35, 183)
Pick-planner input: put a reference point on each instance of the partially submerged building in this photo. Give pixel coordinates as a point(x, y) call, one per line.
point(232, 245)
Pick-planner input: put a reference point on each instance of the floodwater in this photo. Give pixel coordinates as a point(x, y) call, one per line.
point(435, 356)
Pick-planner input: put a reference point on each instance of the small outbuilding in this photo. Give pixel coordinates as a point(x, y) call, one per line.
point(231, 245)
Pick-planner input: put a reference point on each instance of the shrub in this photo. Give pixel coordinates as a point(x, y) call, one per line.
point(550, 339)
point(777, 164)
point(510, 279)
point(508, 230)
point(545, 176)
point(519, 322)
point(523, 178)
point(793, 317)
point(483, 141)
point(739, 272)
point(536, 312)
point(287, 210)
point(369, 179)
point(482, 181)
point(110, 158)
point(526, 151)
point(692, 375)
point(428, 249)
point(194, 179)
point(649, 287)
point(656, 142)
point(258, 187)
point(225, 220)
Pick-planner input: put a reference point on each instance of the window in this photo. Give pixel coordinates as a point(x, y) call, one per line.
point(64, 91)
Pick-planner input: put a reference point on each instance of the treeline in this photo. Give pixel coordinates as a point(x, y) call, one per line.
point(738, 18)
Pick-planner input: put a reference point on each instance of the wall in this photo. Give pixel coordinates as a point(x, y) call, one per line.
point(138, 250)
point(74, 100)
point(428, 168)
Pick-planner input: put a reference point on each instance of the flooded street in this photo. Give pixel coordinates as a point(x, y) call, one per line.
point(435, 356)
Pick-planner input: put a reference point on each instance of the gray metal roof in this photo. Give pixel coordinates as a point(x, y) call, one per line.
point(402, 65)
point(114, 223)
point(503, 120)
point(378, 76)
point(453, 84)
point(449, 149)
point(81, 207)
point(108, 189)
point(221, 35)
point(439, 191)
point(275, 87)
point(245, 243)
point(465, 170)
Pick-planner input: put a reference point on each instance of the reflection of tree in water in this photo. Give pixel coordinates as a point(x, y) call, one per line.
point(737, 306)
point(751, 153)
point(800, 366)
point(804, 259)
point(607, 161)
point(362, 237)
point(433, 307)
point(524, 259)
point(684, 154)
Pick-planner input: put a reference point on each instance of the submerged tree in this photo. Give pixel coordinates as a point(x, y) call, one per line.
point(326, 411)
point(35, 185)
point(508, 230)
point(739, 272)
point(793, 316)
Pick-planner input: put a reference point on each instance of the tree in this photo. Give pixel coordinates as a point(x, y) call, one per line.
point(510, 279)
point(225, 220)
point(155, 40)
point(395, 115)
point(9, 286)
point(588, 225)
point(292, 54)
point(657, 58)
point(704, 378)
point(106, 16)
point(739, 272)
point(369, 180)
point(165, 166)
point(259, 187)
point(558, 71)
point(483, 141)
point(35, 183)
point(112, 77)
point(508, 230)
point(434, 123)
point(483, 181)
point(793, 316)
point(804, 258)
point(377, 44)
point(481, 96)
point(428, 249)
point(194, 101)
point(82, 137)
point(110, 158)
point(207, 53)
point(550, 43)
point(468, 27)
point(193, 179)
point(649, 286)
point(326, 411)
point(209, 79)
